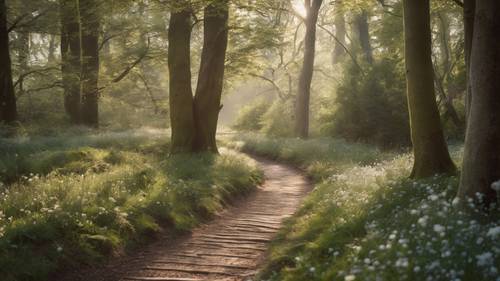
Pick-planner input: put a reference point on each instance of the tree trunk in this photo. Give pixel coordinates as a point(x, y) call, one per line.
point(8, 108)
point(181, 93)
point(89, 18)
point(70, 59)
point(469, 11)
point(306, 74)
point(51, 57)
point(340, 33)
point(481, 164)
point(210, 80)
point(429, 147)
point(445, 68)
point(363, 33)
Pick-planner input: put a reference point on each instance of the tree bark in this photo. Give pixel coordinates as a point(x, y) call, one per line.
point(181, 93)
point(70, 59)
point(429, 147)
point(469, 11)
point(211, 75)
point(481, 164)
point(306, 74)
point(8, 107)
point(90, 62)
point(363, 32)
point(340, 33)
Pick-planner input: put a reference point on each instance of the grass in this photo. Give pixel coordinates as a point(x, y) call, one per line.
point(70, 200)
point(368, 221)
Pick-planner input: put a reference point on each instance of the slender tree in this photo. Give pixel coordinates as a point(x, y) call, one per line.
point(469, 11)
point(481, 164)
point(89, 32)
point(363, 33)
point(181, 93)
point(429, 146)
point(8, 108)
point(340, 33)
point(211, 75)
point(306, 74)
point(71, 58)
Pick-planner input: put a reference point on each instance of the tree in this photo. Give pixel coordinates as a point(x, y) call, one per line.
point(340, 33)
point(8, 108)
point(363, 34)
point(469, 7)
point(481, 163)
point(181, 94)
point(194, 120)
point(71, 59)
point(89, 32)
point(211, 75)
point(306, 74)
point(429, 146)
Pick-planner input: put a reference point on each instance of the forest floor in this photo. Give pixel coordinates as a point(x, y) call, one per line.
point(231, 247)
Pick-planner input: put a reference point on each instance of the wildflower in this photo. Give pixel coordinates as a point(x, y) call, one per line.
point(439, 228)
point(484, 259)
point(493, 232)
point(350, 278)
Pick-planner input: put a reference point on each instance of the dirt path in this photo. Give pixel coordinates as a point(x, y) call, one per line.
point(229, 248)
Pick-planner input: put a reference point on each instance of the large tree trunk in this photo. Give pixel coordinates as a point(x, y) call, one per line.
point(363, 32)
point(8, 108)
point(70, 59)
point(481, 164)
point(210, 80)
point(469, 11)
point(429, 147)
point(340, 34)
point(90, 21)
point(306, 74)
point(181, 93)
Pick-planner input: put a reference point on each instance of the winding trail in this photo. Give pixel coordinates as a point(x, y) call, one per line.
point(229, 248)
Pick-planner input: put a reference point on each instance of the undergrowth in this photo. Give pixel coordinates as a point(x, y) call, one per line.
point(73, 200)
point(368, 221)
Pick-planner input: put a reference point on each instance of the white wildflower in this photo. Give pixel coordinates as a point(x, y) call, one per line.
point(493, 232)
point(484, 259)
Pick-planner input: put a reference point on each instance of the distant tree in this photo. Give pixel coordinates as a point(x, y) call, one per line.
point(8, 108)
point(481, 163)
point(306, 74)
point(90, 27)
point(340, 33)
point(429, 146)
point(71, 58)
point(363, 35)
point(181, 93)
point(469, 7)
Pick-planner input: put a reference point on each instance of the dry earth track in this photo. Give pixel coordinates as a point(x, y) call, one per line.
point(229, 248)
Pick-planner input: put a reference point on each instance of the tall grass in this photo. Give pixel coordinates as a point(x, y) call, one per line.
point(67, 201)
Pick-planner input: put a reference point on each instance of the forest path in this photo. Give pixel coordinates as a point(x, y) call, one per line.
point(229, 248)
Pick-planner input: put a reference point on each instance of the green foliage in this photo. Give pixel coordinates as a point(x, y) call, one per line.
point(77, 199)
point(278, 119)
point(319, 157)
point(371, 107)
point(250, 116)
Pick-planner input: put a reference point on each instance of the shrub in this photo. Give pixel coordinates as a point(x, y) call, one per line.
point(250, 116)
point(278, 119)
point(370, 107)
